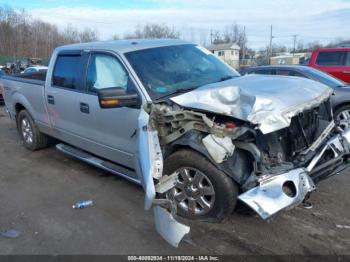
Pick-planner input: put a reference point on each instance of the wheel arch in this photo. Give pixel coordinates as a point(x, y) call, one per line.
point(193, 140)
point(19, 107)
point(20, 103)
point(338, 106)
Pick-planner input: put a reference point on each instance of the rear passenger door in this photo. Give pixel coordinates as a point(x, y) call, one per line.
point(111, 131)
point(62, 94)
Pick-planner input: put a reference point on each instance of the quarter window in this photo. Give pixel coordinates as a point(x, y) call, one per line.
point(105, 71)
point(65, 72)
point(331, 58)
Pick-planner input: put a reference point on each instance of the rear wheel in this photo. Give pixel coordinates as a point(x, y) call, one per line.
point(32, 138)
point(203, 192)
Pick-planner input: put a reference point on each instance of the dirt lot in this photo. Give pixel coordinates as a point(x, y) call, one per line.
point(37, 191)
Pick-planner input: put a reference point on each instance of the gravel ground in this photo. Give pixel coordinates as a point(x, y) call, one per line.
point(37, 191)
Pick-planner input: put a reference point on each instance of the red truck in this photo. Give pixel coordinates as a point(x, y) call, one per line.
point(334, 61)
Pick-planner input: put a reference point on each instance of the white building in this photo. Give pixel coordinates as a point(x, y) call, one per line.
point(289, 58)
point(228, 52)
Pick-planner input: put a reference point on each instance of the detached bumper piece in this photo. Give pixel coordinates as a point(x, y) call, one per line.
point(166, 225)
point(278, 192)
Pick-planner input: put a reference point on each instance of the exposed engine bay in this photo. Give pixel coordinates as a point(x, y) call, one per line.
point(274, 150)
point(275, 171)
point(218, 137)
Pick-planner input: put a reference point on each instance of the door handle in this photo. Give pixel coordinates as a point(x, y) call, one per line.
point(51, 99)
point(84, 108)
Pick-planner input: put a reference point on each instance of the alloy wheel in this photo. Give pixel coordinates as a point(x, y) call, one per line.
point(344, 119)
point(194, 193)
point(27, 131)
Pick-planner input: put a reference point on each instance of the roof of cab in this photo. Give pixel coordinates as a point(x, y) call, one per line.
point(123, 46)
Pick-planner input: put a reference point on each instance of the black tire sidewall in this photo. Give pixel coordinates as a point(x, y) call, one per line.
point(226, 191)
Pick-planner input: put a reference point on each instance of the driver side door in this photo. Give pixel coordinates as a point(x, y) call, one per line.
point(110, 131)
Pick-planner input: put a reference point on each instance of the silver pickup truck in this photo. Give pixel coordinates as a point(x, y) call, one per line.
point(170, 116)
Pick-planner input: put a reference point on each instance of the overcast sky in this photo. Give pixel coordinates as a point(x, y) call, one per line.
point(322, 20)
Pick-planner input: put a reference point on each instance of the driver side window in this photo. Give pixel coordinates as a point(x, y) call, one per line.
point(105, 71)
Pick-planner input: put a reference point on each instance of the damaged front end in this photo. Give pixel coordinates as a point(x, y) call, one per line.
point(276, 166)
point(311, 149)
point(276, 192)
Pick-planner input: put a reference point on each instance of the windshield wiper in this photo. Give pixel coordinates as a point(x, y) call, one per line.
point(178, 91)
point(224, 78)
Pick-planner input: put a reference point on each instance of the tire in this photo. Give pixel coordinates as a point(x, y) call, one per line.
point(225, 189)
point(343, 117)
point(32, 138)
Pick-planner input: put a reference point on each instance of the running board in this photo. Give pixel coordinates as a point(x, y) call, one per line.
point(97, 162)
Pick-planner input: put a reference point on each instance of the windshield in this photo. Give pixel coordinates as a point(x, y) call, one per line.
point(326, 78)
point(172, 69)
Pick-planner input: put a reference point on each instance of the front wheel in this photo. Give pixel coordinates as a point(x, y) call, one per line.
point(203, 192)
point(342, 115)
point(32, 138)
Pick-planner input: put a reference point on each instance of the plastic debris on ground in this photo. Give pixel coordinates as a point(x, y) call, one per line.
point(343, 226)
point(11, 233)
point(83, 204)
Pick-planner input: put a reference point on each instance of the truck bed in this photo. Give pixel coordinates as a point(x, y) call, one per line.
point(26, 90)
point(34, 78)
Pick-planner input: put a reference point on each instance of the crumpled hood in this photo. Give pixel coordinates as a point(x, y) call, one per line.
point(268, 101)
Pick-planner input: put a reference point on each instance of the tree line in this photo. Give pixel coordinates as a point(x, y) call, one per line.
point(23, 36)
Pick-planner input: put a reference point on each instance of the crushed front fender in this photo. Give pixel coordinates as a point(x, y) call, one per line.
point(150, 167)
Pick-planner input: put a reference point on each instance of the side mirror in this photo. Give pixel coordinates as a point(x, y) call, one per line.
point(117, 97)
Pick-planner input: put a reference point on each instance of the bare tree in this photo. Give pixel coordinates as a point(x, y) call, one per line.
point(153, 31)
point(233, 33)
point(22, 36)
point(88, 35)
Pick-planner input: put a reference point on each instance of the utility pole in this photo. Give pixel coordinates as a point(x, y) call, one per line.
point(270, 50)
point(294, 43)
point(211, 36)
point(243, 47)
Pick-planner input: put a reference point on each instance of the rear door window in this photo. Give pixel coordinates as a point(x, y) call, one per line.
point(66, 69)
point(286, 72)
point(331, 58)
point(283, 72)
point(265, 72)
point(295, 73)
